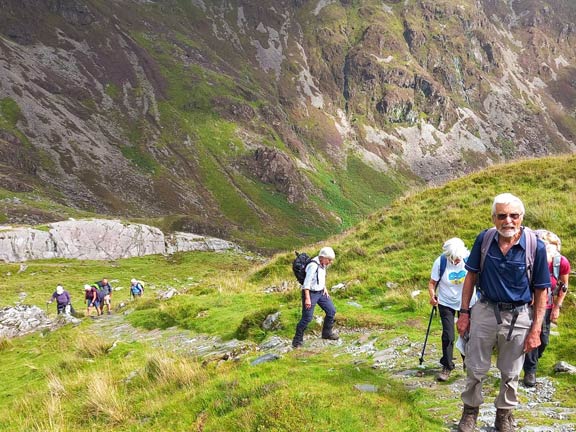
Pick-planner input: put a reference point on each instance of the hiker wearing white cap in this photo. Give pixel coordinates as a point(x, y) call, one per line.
point(62, 298)
point(314, 292)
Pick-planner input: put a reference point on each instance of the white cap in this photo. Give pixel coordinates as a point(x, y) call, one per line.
point(327, 252)
point(87, 287)
point(134, 281)
point(59, 289)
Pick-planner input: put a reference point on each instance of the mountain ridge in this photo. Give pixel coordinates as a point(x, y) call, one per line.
point(276, 120)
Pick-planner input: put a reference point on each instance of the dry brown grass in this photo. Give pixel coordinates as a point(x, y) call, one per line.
point(91, 347)
point(105, 398)
point(166, 370)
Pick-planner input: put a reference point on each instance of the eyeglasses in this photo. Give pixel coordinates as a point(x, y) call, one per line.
point(504, 216)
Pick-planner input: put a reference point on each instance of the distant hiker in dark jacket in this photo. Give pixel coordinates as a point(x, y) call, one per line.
point(136, 288)
point(62, 298)
point(314, 292)
point(104, 286)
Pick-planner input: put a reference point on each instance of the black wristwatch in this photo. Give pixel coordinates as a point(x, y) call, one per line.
point(465, 311)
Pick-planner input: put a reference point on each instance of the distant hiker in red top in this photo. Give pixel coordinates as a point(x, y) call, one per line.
point(559, 268)
point(91, 297)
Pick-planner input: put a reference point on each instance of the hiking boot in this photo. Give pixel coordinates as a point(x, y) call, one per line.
point(529, 379)
point(444, 375)
point(330, 336)
point(468, 420)
point(504, 420)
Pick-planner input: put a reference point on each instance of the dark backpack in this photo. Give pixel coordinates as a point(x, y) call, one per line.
point(299, 266)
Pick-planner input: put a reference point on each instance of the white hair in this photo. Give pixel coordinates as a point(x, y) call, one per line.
point(549, 238)
point(455, 248)
point(507, 199)
point(327, 252)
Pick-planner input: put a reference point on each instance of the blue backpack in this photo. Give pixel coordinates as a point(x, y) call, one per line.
point(137, 289)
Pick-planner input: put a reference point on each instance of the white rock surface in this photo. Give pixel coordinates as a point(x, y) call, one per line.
point(99, 239)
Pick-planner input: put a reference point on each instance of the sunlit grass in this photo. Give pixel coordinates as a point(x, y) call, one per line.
point(69, 380)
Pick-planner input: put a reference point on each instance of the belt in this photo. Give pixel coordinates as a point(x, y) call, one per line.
point(520, 307)
point(515, 308)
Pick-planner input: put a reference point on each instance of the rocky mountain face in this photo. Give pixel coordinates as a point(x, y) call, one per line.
point(266, 119)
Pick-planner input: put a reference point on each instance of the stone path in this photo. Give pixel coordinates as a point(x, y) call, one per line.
point(538, 404)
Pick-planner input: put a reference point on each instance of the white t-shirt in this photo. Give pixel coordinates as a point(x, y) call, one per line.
point(449, 290)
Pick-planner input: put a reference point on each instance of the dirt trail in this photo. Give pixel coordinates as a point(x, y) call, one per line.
point(400, 358)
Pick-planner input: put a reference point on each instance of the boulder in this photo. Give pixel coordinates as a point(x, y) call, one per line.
point(99, 239)
point(21, 320)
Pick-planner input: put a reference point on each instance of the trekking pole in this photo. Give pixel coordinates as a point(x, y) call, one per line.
point(427, 333)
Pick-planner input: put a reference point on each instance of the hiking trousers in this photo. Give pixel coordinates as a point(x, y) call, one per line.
point(447, 318)
point(325, 302)
point(531, 360)
point(485, 334)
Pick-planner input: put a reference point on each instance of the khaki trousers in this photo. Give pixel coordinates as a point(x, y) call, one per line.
point(485, 334)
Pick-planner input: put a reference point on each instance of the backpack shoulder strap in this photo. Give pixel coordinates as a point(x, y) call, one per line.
point(556, 266)
point(443, 264)
point(317, 268)
point(489, 235)
point(531, 243)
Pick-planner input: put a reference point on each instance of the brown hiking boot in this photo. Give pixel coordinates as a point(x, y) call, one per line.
point(330, 336)
point(444, 375)
point(468, 419)
point(504, 420)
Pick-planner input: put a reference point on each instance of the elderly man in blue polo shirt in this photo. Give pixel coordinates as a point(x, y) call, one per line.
point(502, 317)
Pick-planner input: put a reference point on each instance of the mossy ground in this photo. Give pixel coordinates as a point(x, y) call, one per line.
point(71, 380)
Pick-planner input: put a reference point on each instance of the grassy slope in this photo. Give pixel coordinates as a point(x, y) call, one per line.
point(68, 381)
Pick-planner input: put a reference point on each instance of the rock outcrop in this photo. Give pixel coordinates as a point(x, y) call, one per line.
point(98, 239)
point(21, 320)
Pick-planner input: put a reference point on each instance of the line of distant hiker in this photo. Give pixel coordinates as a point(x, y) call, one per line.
point(97, 297)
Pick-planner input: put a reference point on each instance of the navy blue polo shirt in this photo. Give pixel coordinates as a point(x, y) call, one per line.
point(504, 278)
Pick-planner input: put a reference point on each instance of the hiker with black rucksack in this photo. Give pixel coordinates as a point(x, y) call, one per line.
point(311, 274)
point(445, 289)
point(508, 265)
point(559, 268)
point(136, 288)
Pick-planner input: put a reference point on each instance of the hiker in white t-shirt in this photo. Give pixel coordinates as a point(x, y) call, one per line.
point(445, 289)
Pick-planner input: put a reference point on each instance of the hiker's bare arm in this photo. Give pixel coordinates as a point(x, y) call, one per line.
point(432, 292)
point(463, 324)
point(563, 284)
point(533, 338)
